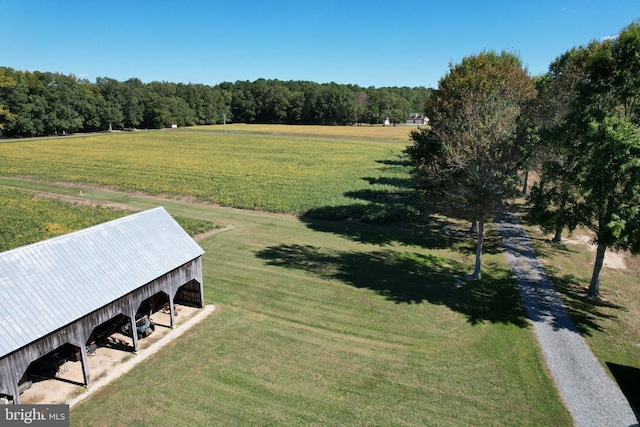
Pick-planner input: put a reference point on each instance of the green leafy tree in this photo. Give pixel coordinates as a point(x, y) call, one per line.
point(296, 107)
point(28, 105)
point(394, 106)
point(467, 160)
point(337, 105)
point(65, 100)
point(133, 91)
point(243, 104)
point(372, 114)
point(6, 81)
point(612, 182)
point(554, 199)
point(208, 103)
point(361, 106)
point(112, 92)
point(592, 174)
point(606, 134)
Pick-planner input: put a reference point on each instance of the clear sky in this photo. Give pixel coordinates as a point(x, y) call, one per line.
point(369, 43)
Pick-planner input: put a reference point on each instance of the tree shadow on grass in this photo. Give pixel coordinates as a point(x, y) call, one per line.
point(428, 236)
point(391, 212)
point(389, 198)
point(400, 161)
point(409, 278)
point(545, 248)
point(628, 379)
point(374, 206)
point(586, 312)
point(405, 183)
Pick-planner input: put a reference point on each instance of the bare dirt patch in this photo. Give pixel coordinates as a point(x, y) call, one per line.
point(632, 262)
point(612, 259)
point(107, 363)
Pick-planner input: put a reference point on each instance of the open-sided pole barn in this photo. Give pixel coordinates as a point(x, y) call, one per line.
point(55, 292)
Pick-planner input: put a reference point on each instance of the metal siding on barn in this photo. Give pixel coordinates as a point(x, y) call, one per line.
point(49, 284)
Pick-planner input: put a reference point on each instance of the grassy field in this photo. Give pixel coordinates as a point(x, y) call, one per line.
point(322, 323)
point(285, 170)
point(26, 218)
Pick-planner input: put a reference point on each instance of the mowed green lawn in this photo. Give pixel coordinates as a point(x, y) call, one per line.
point(320, 323)
point(324, 323)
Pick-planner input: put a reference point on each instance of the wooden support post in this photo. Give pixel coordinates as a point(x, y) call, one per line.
point(16, 393)
point(172, 313)
point(201, 294)
point(85, 364)
point(134, 332)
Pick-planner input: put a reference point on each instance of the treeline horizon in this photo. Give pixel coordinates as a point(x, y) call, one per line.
point(50, 103)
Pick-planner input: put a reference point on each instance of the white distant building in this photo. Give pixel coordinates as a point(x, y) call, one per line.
point(417, 119)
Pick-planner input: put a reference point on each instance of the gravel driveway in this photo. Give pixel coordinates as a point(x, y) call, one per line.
point(592, 397)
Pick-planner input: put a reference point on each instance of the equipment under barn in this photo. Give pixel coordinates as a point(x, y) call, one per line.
point(55, 293)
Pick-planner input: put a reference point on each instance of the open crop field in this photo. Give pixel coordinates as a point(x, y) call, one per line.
point(364, 132)
point(290, 171)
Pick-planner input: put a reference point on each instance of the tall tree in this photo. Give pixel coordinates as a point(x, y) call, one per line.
point(594, 178)
point(6, 81)
point(112, 92)
point(467, 160)
point(607, 141)
point(361, 106)
point(133, 91)
point(553, 200)
point(612, 182)
point(337, 105)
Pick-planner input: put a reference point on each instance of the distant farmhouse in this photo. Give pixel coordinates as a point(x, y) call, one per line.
point(60, 294)
point(417, 119)
point(414, 119)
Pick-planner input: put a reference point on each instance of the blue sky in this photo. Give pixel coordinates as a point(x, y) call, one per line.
point(372, 43)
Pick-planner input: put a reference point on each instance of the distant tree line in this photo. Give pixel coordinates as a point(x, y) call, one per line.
point(44, 103)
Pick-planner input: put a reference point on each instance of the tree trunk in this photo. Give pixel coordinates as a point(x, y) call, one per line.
point(594, 286)
point(478, 267)
point(560, 222)
point(474, 226)
point(525, 189)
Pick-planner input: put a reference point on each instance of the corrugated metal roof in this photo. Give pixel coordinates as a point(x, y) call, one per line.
point(47, 285)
